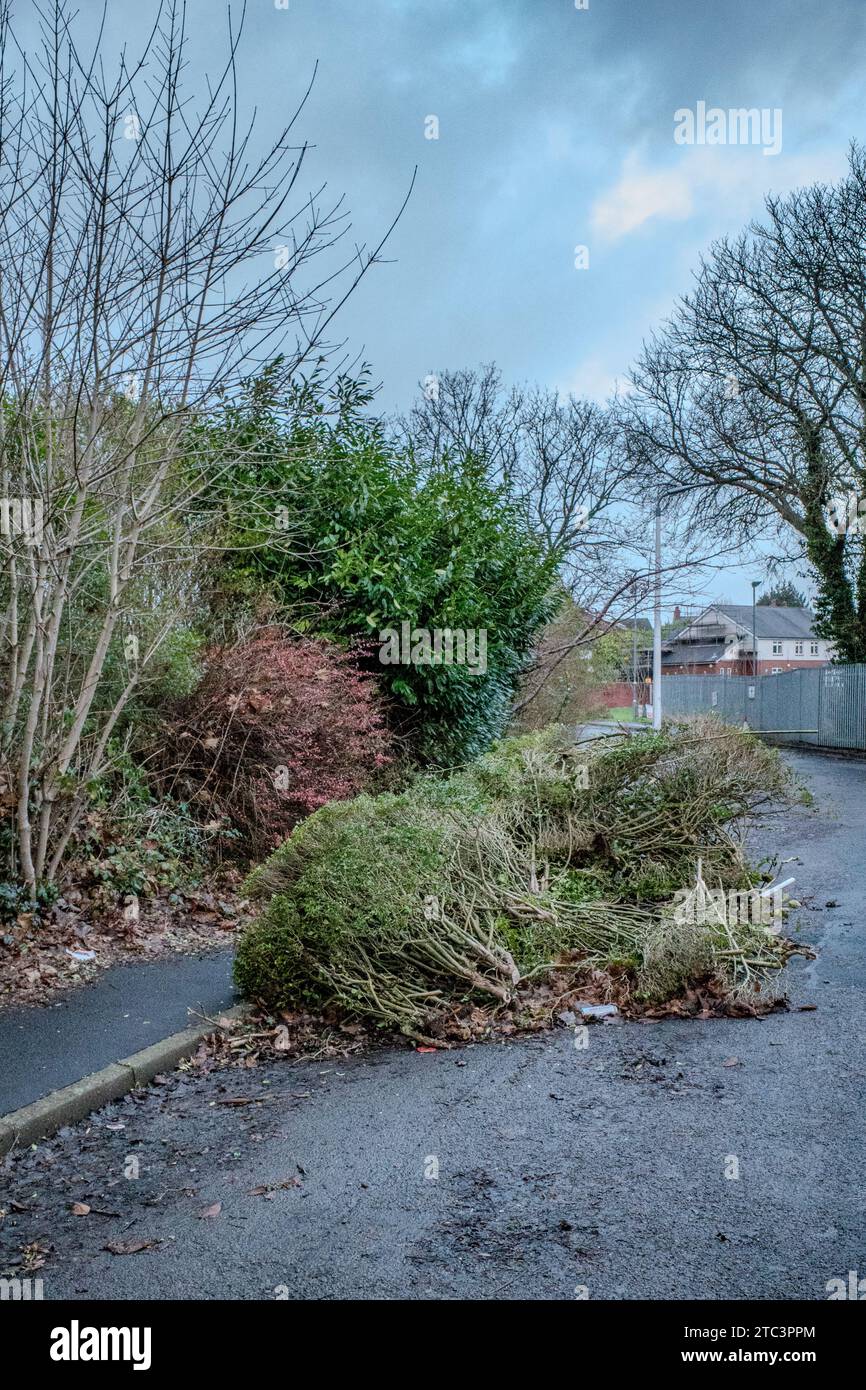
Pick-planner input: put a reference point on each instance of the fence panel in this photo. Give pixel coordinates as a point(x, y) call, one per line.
point(825, 706)
point(810, 702)
point(842, 718)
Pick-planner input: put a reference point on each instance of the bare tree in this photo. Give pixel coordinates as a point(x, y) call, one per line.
point(150, 262)
point(467, 412)
point(561, 456)
point(756, 392)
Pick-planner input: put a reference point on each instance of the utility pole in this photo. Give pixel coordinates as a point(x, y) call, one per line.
point(657, 605)
point(634, 659)
point(657, 622)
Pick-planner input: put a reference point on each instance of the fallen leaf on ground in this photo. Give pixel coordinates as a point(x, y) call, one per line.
point(129, 1247)
point(33, 1255)
point(267, 1189)
point(211, 1212)
point(732, 1062)
point(80, 1209)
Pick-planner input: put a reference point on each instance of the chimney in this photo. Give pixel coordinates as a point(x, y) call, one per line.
point(677, 614)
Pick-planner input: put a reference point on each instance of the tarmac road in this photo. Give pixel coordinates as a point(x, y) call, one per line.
point(532, 1170)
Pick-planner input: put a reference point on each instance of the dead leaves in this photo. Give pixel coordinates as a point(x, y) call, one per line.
point(33, 1256)
point(36, 963)
point(261, 1037)
point(84, 1209)
point(211, 1213)
point(130, 1247)
point(269, 1190)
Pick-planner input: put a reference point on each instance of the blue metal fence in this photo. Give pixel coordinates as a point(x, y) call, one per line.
point(822, 706)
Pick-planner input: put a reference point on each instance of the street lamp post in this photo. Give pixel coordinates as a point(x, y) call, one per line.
point(756, 584)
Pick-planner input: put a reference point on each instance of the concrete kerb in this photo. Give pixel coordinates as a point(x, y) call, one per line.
point(44, 1117)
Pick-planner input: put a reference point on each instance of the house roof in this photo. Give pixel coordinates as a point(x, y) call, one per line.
point(769, 621)
point(606, 624)
point(693, 653)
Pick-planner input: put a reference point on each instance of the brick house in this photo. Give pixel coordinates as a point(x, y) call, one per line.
point(720, 641)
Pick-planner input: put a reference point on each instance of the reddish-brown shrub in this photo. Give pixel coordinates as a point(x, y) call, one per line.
point(277, 727)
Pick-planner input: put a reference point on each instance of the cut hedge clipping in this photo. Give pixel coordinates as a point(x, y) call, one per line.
point(401, 907)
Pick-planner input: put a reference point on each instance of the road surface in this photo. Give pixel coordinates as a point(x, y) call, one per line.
point(647, 1166)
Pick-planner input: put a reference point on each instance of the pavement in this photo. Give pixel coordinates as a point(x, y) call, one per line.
point(126, 1009)
point(717, 1159)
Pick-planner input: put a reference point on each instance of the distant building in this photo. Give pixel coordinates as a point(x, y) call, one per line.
point(720, 641)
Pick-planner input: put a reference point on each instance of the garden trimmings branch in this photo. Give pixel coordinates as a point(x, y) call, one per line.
point(402, 907)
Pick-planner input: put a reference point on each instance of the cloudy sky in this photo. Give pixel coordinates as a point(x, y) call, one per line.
point(555, 130)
